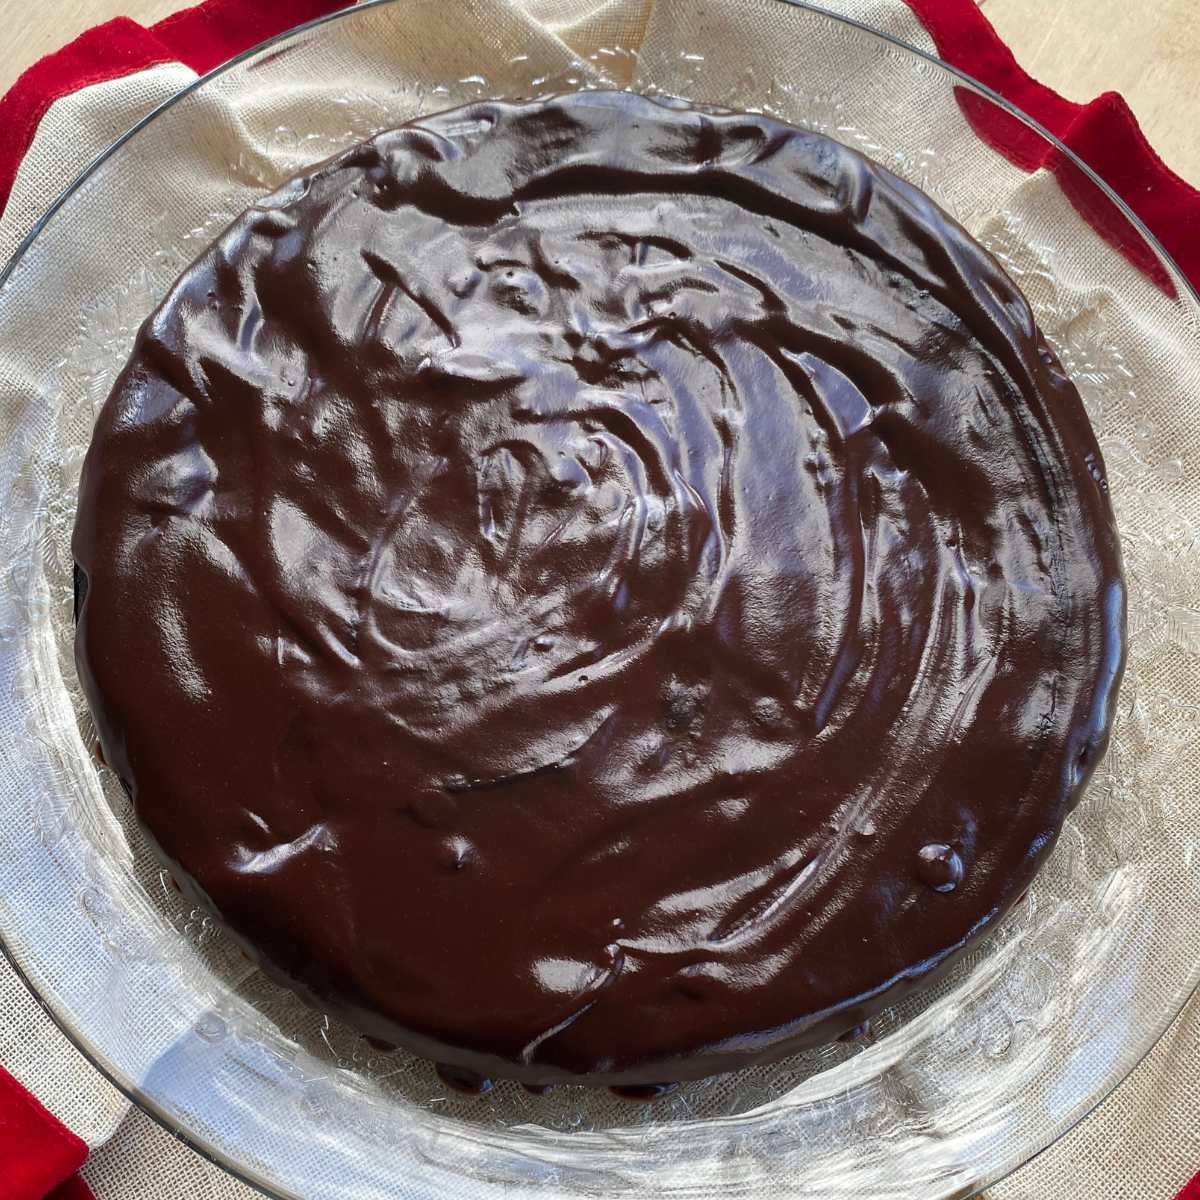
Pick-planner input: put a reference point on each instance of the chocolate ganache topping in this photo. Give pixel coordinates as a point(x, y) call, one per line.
point(598, 587)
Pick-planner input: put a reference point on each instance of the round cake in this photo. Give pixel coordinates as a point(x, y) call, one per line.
point(597, 588)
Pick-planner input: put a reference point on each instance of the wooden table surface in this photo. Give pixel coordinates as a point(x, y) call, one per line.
point(1149, 50)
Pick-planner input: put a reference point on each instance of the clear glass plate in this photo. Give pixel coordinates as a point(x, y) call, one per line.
point(944, 1094)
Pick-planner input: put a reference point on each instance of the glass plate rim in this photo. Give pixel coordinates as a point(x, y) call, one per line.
point(1189, 990)
point(1143, 230)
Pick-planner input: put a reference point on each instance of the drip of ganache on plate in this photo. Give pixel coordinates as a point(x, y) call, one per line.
point(598, 588)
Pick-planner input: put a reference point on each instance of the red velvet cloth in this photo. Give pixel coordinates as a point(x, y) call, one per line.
point(38, 1154)
point(1191, 1191)
point(39, 1157)
point(72, 1189)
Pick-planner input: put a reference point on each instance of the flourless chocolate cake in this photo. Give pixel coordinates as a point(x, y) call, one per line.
point(599, 589)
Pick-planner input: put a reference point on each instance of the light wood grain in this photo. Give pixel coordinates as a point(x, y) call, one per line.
point(1149, 50)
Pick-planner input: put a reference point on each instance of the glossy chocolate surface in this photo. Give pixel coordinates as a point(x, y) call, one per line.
point(599, 587)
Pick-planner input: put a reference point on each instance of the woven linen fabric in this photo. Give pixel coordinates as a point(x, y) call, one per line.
point(1143, 1142)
